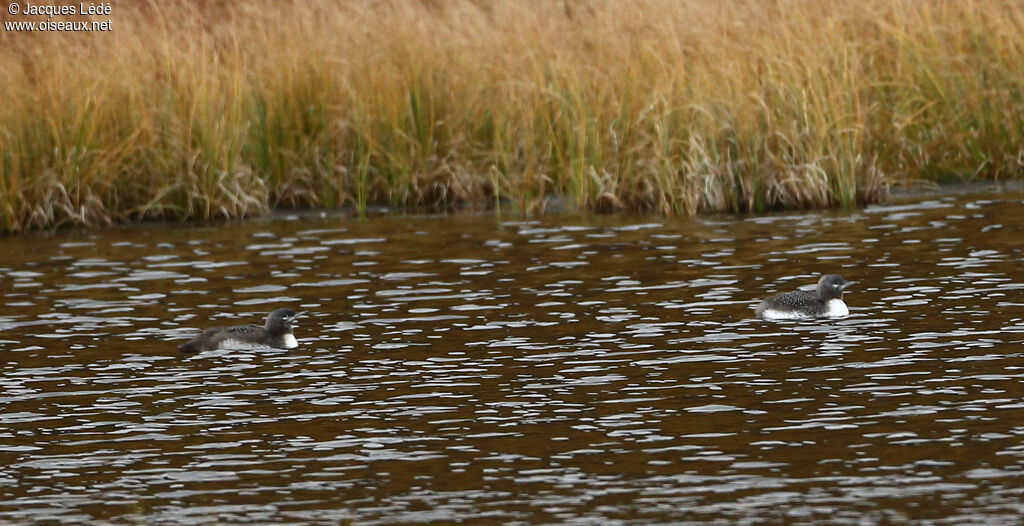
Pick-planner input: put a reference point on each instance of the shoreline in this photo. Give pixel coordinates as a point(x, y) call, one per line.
point(554, 205)
point(911, 192)
point(901, 194)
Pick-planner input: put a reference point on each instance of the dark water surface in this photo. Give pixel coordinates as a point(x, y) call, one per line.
point(587, 370)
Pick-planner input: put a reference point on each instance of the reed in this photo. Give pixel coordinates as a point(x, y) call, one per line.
point(194, 111)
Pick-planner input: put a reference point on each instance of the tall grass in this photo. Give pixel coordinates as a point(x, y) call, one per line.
point(203, 110)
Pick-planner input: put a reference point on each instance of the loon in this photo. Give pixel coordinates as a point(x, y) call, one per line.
point(825, 302)
point(277, 333)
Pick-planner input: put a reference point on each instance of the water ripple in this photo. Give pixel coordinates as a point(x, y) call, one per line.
point(590, 370)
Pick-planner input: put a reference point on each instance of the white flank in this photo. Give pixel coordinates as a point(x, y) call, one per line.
point(833, 309)
point(772, 314)
point(290, 342)
point(836, 308)
point(237, 345)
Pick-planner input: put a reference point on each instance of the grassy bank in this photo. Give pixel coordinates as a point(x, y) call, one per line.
point(195, 111)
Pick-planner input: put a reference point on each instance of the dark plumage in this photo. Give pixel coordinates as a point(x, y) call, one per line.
point(276, 333)
point(826, 301)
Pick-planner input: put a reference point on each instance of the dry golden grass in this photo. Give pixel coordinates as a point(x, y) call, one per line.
point(197, 110)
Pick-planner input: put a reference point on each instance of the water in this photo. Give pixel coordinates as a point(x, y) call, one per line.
point(601, 370)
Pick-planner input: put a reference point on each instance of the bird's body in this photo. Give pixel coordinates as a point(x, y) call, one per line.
point(277, 333)
point(825, 302)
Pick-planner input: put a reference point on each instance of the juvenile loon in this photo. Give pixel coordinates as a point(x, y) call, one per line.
point(825, 302)
point(276, 333)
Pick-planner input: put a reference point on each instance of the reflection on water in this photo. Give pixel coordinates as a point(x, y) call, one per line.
point(600, 370)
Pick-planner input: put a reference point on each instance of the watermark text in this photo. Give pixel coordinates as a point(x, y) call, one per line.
point(67, 11)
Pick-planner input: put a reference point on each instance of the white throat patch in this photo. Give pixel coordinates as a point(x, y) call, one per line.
point(836, 308)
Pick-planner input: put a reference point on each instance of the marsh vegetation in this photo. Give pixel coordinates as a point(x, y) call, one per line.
point(198, 110)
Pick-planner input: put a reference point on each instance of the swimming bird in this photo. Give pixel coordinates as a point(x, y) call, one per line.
point(825, 302)
point(277, 333)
